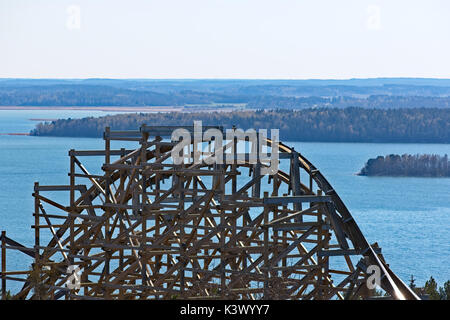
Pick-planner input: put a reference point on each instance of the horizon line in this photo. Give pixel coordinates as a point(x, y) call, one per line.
point(225, 79)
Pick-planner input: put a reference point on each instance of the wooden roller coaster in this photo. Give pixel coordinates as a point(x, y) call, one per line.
point(148, 228)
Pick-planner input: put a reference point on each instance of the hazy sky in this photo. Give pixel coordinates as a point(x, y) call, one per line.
point(289, 39)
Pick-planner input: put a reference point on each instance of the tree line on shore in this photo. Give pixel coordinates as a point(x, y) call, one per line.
point(419, 165)
point(418, 125)
point(373, 101)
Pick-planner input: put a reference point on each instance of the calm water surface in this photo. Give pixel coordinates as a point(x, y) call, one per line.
point(408, 217)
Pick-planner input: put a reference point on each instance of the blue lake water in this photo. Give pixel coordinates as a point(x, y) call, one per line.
point(408, 217)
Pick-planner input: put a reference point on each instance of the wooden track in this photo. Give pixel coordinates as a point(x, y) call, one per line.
point(148, 229)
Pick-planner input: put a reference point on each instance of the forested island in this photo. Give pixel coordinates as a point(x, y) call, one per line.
point(419, 165)
point(418, 125)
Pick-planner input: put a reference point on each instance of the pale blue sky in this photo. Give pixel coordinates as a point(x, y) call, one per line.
point(276, 39)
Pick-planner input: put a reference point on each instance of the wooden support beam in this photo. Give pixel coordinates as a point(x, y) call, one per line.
point(3, 260)
point(295, 199)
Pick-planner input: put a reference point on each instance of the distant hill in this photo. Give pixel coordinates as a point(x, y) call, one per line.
point(264, 94)
point(221, 83)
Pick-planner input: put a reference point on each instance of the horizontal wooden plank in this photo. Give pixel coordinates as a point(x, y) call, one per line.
point(123, 133)
point(339, 252)
point(84, 153)
point(294, 226)
point(88, 176)
point(295, 199)
point(58, 188)
point(167, 130)
point(125, 138)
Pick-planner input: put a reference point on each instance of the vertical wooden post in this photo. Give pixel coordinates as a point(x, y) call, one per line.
point(295, 182)
point(222, 257)
point(37, 232)
point(72, 199)
point(182, 256)
point(321, 259)
point(141, 203)
point(285, 235)
point(320, 243)
point(107, 237)
point(233, 191)
point(143, 252)
point(266, 250)
point(121, 224)
point(3, 265)
point(107, 145)
point(256, 188)
point(234, 165)
point(106, 137)
point(72, 210)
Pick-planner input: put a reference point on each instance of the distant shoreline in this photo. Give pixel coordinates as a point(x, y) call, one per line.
point(15, 134)
point(43, 119)
point(124, 109)
point(105, 109)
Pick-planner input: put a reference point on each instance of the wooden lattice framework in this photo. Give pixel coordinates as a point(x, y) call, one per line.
point(149, 229)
